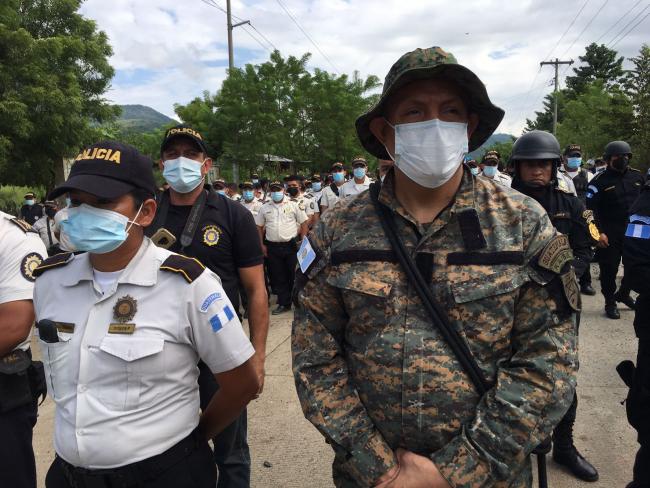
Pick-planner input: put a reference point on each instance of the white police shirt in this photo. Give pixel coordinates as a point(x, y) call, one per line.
point(253, 206)
point(351, 187)
point(125, 392)
point(21, 250)
point(46, 233)
point(306, 204)
point(281, 221)
point(501, 178)
point(64, 241)
point(329, 198)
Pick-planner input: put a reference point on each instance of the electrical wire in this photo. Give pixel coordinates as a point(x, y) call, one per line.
point(295, 21)
point(628, 24)
point(567, 29)
point(619, 19)
point(585, 28)
point(631, 29)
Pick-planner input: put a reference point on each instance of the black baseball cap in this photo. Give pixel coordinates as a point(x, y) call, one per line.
point(276, 184)
point(109, 169)
point(337, 167)
point(183, 130)
point(246, 184)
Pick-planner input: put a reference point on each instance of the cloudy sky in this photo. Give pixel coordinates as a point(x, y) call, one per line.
point(171, 51)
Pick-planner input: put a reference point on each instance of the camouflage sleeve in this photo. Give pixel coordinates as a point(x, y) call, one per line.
point(328, 398)
point(533, 389)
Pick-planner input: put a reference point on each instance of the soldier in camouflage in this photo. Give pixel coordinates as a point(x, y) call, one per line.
point(372, 372)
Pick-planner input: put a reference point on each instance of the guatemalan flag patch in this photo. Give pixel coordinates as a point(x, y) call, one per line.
point(222, 318)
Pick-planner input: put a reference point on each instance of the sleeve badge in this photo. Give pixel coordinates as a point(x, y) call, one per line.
point(29, 264)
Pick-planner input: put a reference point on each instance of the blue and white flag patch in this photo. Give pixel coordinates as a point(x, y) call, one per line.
point(222, 318)
point(306, 255)
point(209, 300)
point(638, 231)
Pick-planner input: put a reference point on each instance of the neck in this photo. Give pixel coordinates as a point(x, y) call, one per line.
point(120, 257)
point(358, 181)
point(339, 183)
point(185, 198)
point(424, 204)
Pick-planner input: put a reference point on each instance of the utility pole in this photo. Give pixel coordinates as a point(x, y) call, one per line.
point(231, 65)
point(555, 63)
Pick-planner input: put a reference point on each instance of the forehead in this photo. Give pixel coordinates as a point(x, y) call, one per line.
point(436, 90)
point(182, 144)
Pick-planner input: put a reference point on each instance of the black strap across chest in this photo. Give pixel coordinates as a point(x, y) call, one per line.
point(187, 236)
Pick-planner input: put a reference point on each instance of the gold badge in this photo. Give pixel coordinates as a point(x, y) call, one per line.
point(556, 254)
point(125, 309)
point(29, 264)
point(211, 235)
point(571, 290)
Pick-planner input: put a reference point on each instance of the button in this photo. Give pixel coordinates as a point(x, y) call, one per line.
point(81, 432)
point(82, 388)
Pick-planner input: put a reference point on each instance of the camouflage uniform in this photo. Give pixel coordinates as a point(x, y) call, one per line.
point(373, 374)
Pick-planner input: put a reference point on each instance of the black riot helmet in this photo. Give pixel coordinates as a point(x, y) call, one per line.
point(536, 144)
point(615, 148)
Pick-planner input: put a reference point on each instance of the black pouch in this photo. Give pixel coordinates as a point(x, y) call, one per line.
point(14, 382)
point(37, 383)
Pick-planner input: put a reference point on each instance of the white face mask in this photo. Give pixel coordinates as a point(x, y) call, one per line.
point(430, 152)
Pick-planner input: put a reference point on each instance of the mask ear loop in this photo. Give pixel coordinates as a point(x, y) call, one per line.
point(133, 222)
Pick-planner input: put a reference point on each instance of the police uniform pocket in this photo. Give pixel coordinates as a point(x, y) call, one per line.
point(58, 374)
point(130, 370)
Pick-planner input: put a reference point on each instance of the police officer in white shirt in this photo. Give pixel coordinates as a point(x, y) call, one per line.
point(281, 224)
point(490, 165)
point(121, 328)
point(306, 203)
point(46, 228)
point(331, 193)
point(360, 181)
point(248, 198)
point(21, 250)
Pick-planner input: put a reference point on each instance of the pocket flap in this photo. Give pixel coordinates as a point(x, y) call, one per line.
point(487, 285)
point(359, 278)
point(132, 348)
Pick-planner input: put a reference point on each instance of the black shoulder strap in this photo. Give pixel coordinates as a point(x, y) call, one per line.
point(335, 189)
point(192, 221)
point(53, 262)
point(451, 336)
point(189, 268)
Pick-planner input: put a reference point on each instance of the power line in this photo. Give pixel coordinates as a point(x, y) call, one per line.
point(631, 29)
point(585, 28)
point(264, 37)
point(628, 24)
point(307, 35)
point(266, 48)
point(567, 29)
point(616, 23)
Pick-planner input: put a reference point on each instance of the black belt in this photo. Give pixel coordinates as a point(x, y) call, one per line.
point(278, 244)
point(131, 474)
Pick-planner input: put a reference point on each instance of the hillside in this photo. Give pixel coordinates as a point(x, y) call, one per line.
point(140, 118)
point(493, 139)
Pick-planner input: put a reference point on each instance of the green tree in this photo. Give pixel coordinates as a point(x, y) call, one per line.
point(596, 117)
point(637, 86)
point(544, 119)
point(598, 64)
point(54, 71)
point(280, 108)
point(505, 150)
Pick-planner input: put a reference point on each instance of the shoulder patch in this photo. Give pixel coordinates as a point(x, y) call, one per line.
point(189, 268)
point(556, 254)
point(24, 226)
point(53, 262)
point(29, 264)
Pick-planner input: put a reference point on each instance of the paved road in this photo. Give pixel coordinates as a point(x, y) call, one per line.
point(299, 457)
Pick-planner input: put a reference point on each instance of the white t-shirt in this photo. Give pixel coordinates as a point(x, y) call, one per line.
point(106, 279)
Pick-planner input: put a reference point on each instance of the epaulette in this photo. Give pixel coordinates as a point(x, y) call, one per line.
point(190, 268)
point(24, 226)
point(53, 262)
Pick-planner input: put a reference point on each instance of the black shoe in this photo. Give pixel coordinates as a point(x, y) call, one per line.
point(587, 290)
point(577, 464)
point(625, 300)
point(281, 309)
point(634, 484)
point(612, 312)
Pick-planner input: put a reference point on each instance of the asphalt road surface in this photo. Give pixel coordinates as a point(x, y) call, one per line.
point(288, 452)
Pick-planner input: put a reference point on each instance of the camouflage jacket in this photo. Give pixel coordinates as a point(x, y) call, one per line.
point(373, 374)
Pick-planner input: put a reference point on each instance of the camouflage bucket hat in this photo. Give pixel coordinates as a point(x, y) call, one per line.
point(432, 62)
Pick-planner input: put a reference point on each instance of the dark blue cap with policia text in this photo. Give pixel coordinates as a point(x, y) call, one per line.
point(109, 170)
point(186, 132)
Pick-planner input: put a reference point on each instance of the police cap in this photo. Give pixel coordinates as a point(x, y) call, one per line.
point(183, 131)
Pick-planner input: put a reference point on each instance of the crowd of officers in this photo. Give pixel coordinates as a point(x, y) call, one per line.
point(137, 294)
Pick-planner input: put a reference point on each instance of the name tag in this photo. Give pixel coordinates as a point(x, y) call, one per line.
point(121, 328)
point(306, 255)
point(65, 327)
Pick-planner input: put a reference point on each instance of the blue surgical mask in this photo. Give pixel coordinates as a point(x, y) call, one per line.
point(29, 202)
point(67, 201)
point(573, 163)
point(221, 192)
point(338, 177)
point(183, 174)
point(96, 230)
point(490, 171)
point(474, 170)
point(248, 195)
point(277, 196)
point(316, 186)
point(359, 173)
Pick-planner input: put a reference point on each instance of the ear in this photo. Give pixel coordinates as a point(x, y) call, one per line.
point(147, 213)
point(381, 130)
point(472, 124)
point(207, 164)
point(161, 166)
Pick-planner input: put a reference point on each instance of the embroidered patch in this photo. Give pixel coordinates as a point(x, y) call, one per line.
point(571, 290)
point(638, 231)
point(210, 299)
point(211, 235)
point(125, 309)
point(222, 318)
point(556, 254)
point(29, 264)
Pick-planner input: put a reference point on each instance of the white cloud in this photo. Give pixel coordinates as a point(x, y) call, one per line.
point(503, 42)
